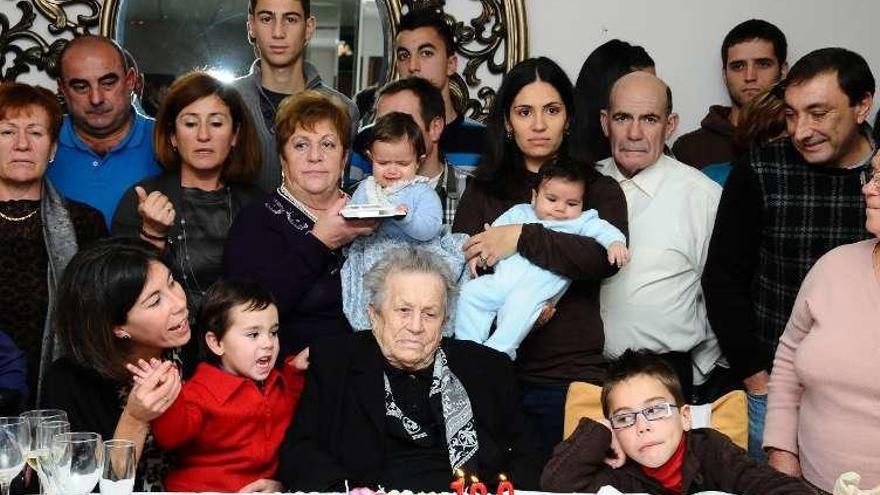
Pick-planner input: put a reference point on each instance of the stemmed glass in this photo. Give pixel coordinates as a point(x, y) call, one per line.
point(13, 432)
point(41, 457)
point(117, 477)
point(37, 453)
point(79, 458)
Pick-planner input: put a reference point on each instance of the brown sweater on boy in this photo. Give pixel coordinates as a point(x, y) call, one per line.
point(711, 462)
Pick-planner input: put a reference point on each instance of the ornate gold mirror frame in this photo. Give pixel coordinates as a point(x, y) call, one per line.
point(495, 39)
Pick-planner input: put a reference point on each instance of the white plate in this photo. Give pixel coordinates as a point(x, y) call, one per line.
point(370, 211)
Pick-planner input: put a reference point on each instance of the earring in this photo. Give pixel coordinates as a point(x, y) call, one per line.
point(509, 135)
point(124, 336)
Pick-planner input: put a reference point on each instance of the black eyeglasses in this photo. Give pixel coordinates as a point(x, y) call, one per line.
point(654, 412)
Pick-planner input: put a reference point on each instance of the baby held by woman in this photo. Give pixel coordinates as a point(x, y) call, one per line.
point(515, 294)
point(396, 148)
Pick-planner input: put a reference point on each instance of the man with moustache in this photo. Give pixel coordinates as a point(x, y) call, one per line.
point(792, 201)
point(655, 302)
point(280, 30)
point(753, 58)
point(105, 145)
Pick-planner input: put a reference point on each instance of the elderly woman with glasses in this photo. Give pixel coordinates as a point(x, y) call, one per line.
point(822, 414)
point(40, 231)
point(401, 407)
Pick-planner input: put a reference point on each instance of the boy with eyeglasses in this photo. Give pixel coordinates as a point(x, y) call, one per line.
point(646, 445)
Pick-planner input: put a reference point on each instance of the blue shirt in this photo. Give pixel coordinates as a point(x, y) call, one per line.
point(99, 181)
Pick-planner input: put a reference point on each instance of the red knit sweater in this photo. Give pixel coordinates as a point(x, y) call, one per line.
point(226, 430)
point(669, 474)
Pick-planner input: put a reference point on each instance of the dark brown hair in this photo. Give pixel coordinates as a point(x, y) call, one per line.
point(562, 167)
point(397, 126)
point(762, 120)
point(306, 5)
point(99, 287)
point(244, 160)
point(430, 18)
point(430, 98)
point(641, 362)
point(219, 301)
point(305, 109)
point(18, 98)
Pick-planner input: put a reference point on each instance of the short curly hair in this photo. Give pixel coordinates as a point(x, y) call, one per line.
point(19, 98)
point(304, 110)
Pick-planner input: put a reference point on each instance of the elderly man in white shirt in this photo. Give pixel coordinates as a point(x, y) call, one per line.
point(656, 302)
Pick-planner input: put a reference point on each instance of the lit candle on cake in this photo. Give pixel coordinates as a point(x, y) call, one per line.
point(457, 485)
point(504, 485)
point(477, 487)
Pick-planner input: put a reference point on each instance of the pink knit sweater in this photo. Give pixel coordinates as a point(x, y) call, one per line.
point(824, 402)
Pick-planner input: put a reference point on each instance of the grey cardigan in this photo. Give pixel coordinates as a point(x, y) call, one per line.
point(61, 245)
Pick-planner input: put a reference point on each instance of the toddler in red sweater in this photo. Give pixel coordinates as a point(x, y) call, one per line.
point(230, 418)
point(646, 444)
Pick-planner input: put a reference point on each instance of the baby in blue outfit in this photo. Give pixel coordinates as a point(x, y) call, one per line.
point(396, 147)
point(518, 289)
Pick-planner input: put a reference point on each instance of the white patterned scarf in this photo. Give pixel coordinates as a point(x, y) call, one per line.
point(458, 417)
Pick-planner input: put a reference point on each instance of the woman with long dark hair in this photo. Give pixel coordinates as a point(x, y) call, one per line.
point(529, 125)
point(603, 67)
point(117, 305)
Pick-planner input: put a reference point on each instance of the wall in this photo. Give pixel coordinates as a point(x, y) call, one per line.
point(684, 36)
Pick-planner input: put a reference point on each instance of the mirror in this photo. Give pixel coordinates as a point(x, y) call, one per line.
point(170, 37)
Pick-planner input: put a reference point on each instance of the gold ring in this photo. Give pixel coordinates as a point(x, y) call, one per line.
point(483, 260)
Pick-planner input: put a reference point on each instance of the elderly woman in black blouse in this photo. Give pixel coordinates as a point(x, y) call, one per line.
point(402, 407)
point(39, 230)
point(292, 240)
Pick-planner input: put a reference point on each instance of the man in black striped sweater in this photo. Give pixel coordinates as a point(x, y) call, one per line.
point(785, 205)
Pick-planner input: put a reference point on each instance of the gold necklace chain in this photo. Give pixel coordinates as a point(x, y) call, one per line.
point(18, 219)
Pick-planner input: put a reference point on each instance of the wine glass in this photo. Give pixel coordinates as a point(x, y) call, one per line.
point(117, 477)
point(79, 458)
point(13, 432)
point(41, 457)
point(35, 417)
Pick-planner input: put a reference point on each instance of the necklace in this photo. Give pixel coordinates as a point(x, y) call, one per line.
point(296, 203)
point(18, 219)
point(184, 260)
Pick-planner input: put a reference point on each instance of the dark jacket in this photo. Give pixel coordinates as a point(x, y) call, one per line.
point(711, 462)
point(338, 432)
point(711, 144)
point(92, 401)
point(195, 257)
